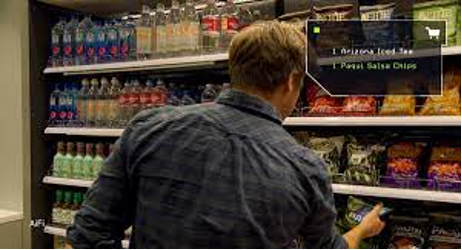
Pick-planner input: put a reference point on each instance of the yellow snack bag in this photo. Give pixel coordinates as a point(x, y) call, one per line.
point(398, 105)
point(447, 104)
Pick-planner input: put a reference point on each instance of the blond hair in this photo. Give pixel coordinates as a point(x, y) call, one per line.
point(264, 55)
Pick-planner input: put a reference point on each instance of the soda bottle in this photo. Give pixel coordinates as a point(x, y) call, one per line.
point(173, 29)
point(81, 102)
point(63, 106)
point(58, 160)
point(229, 23)
point(66, 215)
point(187, 98)
point(98, 161)
point(57, 43)
point(87, 171)
point(143, 35)
point(66, 168)
point(159, 95)
point(134, 98)
point(75, 207)
point(101, 43)
point(191, 28)
point(90, 44)
point(114, 106)
point(69, 42)
point(80, 36)
point(56, 213)
point(112, 42)
point(174, 96)
point(103, 104)
point(124, 103)
point(210, 27)
point(92, 104)
point(78, 163)
point(245, 18)
point(209, 94)
point(54, 109)
point(161, 31)
point(145, 97)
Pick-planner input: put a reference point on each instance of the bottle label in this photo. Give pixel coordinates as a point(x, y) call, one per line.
point(66, 168)
point(67, 40)
point(161, 39)
point(87, 171)
point(52, 115)
point(81, 109)
point(90, 110)
point(143, 40)
point(123, 99)
point(232, 25)
point(211, 25)
point(113, 110)
point(79, 41)
point(133, 99)
point(124, 41)
point(97, 165)
point(55, 48)
point(102, 109)
point(77, 168)
point(145, 99)
point(70, 115)
point(101, 41)
point(158, 98)
point(90, 40)
point(57, 163)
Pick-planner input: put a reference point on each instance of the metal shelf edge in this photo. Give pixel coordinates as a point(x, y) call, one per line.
point(67, 182)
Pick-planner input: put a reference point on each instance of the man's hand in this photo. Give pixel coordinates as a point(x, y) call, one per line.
point(371, 225)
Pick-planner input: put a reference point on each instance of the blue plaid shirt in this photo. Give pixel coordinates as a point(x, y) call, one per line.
point(218, 175)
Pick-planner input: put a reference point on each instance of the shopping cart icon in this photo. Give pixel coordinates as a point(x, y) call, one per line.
point(433, 33)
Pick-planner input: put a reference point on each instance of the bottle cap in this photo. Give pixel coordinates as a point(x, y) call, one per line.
point(85, 81)
point(89, 148)
point(70, 147)
point(104, 81)
point(80, 147)
point(94, 82)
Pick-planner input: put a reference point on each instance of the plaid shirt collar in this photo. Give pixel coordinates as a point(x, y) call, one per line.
point(249, 103)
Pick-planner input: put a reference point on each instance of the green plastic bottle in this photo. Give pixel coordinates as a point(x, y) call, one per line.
point(66, 168)
point(98, 161)
point(57, 211)
point(58, 160)
point(66, 218)
point(77, 165)
point(75, 206)
point(88, 162)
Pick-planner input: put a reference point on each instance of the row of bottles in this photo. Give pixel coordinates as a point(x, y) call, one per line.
point(108, 104)
point(65, 206)
point(83, 163)
point(155, 34)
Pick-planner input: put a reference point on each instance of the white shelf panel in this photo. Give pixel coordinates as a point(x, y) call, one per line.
point(101, 132)
point(397, 193)
point(164, 63)
point(445, 51)
point(375, 121)
point(67, 182)
point(59, 231)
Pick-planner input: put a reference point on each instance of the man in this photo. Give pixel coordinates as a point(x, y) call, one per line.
point(224, 174)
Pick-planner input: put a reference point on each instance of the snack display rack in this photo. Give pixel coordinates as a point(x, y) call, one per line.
point(43, 136)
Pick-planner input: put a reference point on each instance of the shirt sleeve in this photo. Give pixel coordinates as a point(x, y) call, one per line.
point(109, 207)
point(318, 230)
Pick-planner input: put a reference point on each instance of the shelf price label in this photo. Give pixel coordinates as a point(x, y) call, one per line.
point(376, 58)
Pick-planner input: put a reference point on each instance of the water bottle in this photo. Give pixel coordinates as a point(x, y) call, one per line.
point(69, 42)
point(53, 112)
point(56, 44)
point(112, 42)
point(101, 43)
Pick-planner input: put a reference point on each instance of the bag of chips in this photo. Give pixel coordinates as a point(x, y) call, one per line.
point(447, 104)
point(402, 167)
point(378, 33)
point(326, 106)
point(359, 106)
point(407, 232)
point(444, 171)
point(398, 105)
point(444, 231)
point(363, 162)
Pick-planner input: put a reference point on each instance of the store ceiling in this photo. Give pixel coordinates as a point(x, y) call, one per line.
point(104, 7)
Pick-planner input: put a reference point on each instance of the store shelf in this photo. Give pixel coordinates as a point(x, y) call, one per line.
point(67, 182)
point(100, 132)
point(395, 193)
point(375, 121)
point(154, 64)
point(7, 216)
point(59, 231)
point(445, 51)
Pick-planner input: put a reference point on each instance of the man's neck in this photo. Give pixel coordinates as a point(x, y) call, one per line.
point(270, 98)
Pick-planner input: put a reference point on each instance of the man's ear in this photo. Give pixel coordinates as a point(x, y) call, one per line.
point(294, 82)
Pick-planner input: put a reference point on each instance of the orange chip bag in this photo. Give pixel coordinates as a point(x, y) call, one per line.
point(398, 105)
point(447, 104)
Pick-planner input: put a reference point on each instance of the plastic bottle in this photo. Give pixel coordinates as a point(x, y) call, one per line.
point(90, 44)
point(152, 16)
point(174, 96)
point(101, 43)
point(80, 33)
point(56, 213)
point(187, 98)
point(191, 27)
point(58, 160)
point(66, 168)
point(92, 104)
point(173, 30)
point(77, 201)
point(81, 102)
point(134, 98)
point(78, 163)
point(159, 95)
point(114, 106)
point(245, 18)
point(143, 35)
point(104, 100)
point(63, 106)
point(229, 24)
point(124, 33)
point(66, 215)
point(72, 105)
point(56, 57)
point(69, 42)
point(209, 94)
point(131, 38)
point(53, 111)
point(88, 162)
point(145, 97)
point(124, 103)
point(161, 31)
point(210, 27)
point(112, 41)
point(98, 161)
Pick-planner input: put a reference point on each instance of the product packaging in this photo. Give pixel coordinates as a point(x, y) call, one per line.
point(359, 106)
point(446, 104)
point(402, 165)
point(378, 33)
point(407, 232)
point(444, 231)
point(394, 105)
point(326, 106)
point(444, 171)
